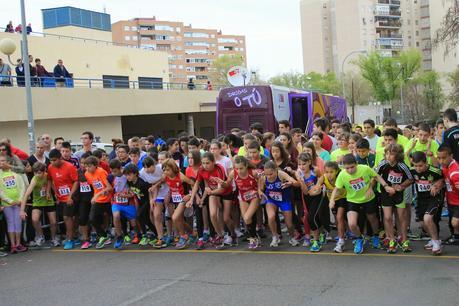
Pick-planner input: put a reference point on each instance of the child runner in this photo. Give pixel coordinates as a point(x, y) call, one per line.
point(12, 189)
point(339, 206)
point(274, 187)
point(363, 155)
point(343, 149)
point(398, 176)
point(42, 203)
point(82, 197)
point(428, 183)
point(317, 139)
point(357, 181)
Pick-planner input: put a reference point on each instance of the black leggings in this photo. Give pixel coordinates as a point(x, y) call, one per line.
point(84, 209)
point(143, 218)
point(318, 212)
point(96, 217)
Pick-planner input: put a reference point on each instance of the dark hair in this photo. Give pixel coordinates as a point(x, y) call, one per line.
point(439, 121)
point(321, 123)
point(349, 159)
point(318, 134)
point(357, 127)
point(54, 153)
point(391, 133)
point(270, 165)
point(335, 121)
point(296, 131)
point(123, 146)
point(194, 142)
point(424, 127)
point(130, 168)
point(236, 141)
point(135, 151)
point(284, 154)
point(333, 165)
point(344, 135)
point(209, 156)
point(86, 155)
point(284, 122)
point(355, 137)
point(390, 122)
point(257, 126)
point(39, 167)
point(397, 150)
point(244, 161)
point(445, 148)
point(148, 161)
point(66, 145)
point(311, 146)
point(362, 143)
point(418, 157)
point(58, 138)
point(217, 143)
point(169, 143)
point(450, 114)
point(254, 145)
point(89, 134)
point(305, 157)
point(151, 139)
point(115, 164)
point(37, 60)
point(92, 160)
point(196, 157)
point(289, 138)
point(370, 122)
point(266, 136)
point(98, 153)
point(346, 127)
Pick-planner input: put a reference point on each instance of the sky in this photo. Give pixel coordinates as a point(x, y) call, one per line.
point(272, 27)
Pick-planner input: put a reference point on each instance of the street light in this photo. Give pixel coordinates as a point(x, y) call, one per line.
point(342, 67)
point(8, 47)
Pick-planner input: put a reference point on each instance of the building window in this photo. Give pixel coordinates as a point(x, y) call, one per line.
point(417, 44)
point(196, 34)
point(126, 28)
point(227, 40)
point(160, 27)
point(134, 38)
point(134, 29)
point(127, 38)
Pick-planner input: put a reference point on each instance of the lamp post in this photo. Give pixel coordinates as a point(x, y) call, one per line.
point(342, 67)
point(7, 46)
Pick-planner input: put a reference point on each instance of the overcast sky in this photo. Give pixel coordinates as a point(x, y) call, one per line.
point(272, 27)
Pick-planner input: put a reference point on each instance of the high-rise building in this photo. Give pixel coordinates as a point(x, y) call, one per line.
point(191, 50)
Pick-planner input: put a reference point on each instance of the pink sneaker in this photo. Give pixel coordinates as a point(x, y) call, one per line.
point(200, 244)
point(13, 250)
point(85, 245)
point(20, 248)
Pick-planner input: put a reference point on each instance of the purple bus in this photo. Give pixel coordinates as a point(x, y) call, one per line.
point(239, 107)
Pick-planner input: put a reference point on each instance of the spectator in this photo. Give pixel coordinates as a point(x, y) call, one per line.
point(9, 27)
point(191, 85)
point(5, 74)
point(33, 72)
point(29, 28)
point(20, 73)
point(61, 73)
point(41, 71)
point(115, 142)
point(451, 135)
point(15, 161)
point(46, 138)
point(18, 29)
point(209, 85)
point(58, 143)
point(16, 151)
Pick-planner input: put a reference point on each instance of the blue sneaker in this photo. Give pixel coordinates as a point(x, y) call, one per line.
point(192, 240)
point(358, 245)
point(168, 240)
point(375, 242)
point(76, 241)
point(93, 238)
point(205, 237)
point(118, 243)
point(68, 245)
point(315, 246)
point(445, 214)
point(182, 243)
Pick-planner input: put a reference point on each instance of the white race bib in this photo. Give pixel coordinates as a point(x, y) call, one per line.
point(275, 195)
point(9, 181)
point(43, 192)
point(250, 195)
point(423, 186)
point(395, 178)
point(357, 184)
point(98, 185)
point(84, 187)
point(121, 200)
point(176, 197)
point(64, 191)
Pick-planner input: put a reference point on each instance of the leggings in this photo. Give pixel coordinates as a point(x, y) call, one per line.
point(12, 218)
point(96, 217)
point(317, 211)
point(143, 218)
point(84, 209)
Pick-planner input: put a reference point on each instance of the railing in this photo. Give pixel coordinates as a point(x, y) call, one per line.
point(49, 82)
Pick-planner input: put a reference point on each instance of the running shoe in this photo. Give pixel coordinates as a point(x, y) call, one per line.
point(40, 241)
point(350, 235)
point(136, 239)
point(192, 239)
point(375, 242)
point(339, 248)
point(200, 245)
point(68, 245)
point(101, 243)
point(182, 243)
point(275, 242)
point(392, 248)
point(445, 214)
point(406, 246)
point(297, 235)
point(144, 241)
point(108, 241)
point(253, 243)
point(429, 245)
point(322, 239)
point(293, 242)
point(153, 241)
point(127, 240)
point(306, 242)
point(382, 234)
point(118, 242)
point(218, 243)
point(55, 242)
point(20, 248)
point(315, 246)
point(261, 233)
point(451, 240)
point(3, 254)
point(238, 233)
point(328, 236)
point(32, 244)
point(160, 244)
point(436, 247)
point(358, 245)
point(385, 243)
point(168, 240)
point(77, 241)
point(93, 238)
point(205, 236)
point(228, 240)
point(85, 245)
point(13, 250)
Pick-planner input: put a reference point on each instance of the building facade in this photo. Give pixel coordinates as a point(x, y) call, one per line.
point(191, 50)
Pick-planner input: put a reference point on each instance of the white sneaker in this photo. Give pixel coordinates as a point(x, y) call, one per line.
point(228, 240)
point(339, 248)
point(436, 247)
point(40, 241)
point(293, 242)
point(275, 242)
point(306, 242)
point(55, 242)
point(429, 245)
point(238, 233)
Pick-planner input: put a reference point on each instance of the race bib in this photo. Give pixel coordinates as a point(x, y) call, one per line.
point(275, 195)
point(43, 192)
point(423, 186)
point(394, 177)
point(121, 200)
point(9, 181)
point(176, 197)
point(84, 187)
point(357, 184)
point(98, 185)
point(64, 191)
point(249, 195)
point(448, 186)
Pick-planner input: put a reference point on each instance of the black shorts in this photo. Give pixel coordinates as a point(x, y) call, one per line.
point(367, 208)
point(341, 203)
point(45, 209)
point(69, 210)
point(227, 197)
point(427, 208)
point(453, 211)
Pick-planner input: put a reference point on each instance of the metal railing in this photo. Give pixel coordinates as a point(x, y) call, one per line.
point(107, 83)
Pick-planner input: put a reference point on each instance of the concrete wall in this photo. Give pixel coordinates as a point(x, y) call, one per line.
point(80, 32)
point(89, 59)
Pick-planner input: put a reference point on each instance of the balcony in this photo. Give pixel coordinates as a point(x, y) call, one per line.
point(390, 2)
point(389, 24)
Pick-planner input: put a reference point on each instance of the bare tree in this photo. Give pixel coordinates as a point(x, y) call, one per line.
point(447, 34)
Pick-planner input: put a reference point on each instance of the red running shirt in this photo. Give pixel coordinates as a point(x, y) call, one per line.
point(451, 174)
point(218, 171)
point(63, 179)
point(176, 188)
point(247, 187)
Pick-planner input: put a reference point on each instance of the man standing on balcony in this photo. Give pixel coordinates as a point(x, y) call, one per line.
point(5, 74)
point(41, 71)
point(61, 73)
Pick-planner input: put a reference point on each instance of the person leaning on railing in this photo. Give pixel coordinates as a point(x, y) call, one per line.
point(61, 74)
point(41, 71)
point(5, 74)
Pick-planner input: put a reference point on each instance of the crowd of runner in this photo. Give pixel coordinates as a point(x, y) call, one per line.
point(361, 181)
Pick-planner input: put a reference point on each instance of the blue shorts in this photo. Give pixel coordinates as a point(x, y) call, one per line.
point(128, 211)
point(283, 206)
point(159, 201)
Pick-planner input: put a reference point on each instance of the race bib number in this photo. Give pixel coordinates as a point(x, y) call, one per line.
point(9, 181)
point(98, 185)
point(176, 197)
point(275, 195)
point(64, 191)
point(423, 186)
point(121, 200)
point(357, 184)
point(84, 187)
point(448, 186)
point(249, 195)
point(43, 192)
point(394, 177)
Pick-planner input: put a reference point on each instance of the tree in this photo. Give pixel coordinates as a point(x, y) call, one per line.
point(358, 89)
point(453, 79)
point(448, 32)
point(220, 67)
point(324, 83)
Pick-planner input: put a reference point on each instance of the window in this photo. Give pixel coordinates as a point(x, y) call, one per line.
point(127, 28)
point(134, 29)
point(177, 30)
point(196, 52)
point(127, 38)
point(163, 28)
point(134, 38)
point(227, 40)
point(115, 81)
point(196, 34)
point(197, 43)
point(225, 48)
point(201, 77)
point(150, 83)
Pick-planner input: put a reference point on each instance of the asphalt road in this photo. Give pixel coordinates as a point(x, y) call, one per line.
point(285, 276)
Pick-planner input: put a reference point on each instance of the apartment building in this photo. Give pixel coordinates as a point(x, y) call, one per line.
point(191, 50)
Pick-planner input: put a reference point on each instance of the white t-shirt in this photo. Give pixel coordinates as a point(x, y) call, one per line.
point(226, 163)
point(373, 141)
point(152, 178)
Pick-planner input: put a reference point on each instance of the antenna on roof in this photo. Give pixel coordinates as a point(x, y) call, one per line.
point(105, 9)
